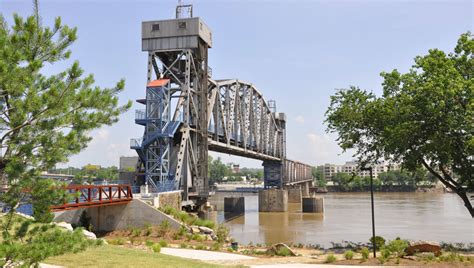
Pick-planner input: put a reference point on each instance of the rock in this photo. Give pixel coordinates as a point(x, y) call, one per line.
point(25, 216)
point(275, 248)
point(209, 238)
point(206, 230)
point(89, 235)
point(65, 225)
point(195, 229)
point(424, 246)
point(214, 237)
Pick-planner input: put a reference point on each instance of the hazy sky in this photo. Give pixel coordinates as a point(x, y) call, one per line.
point(295, 52)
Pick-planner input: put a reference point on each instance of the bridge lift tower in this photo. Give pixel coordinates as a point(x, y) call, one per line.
point(176, 161)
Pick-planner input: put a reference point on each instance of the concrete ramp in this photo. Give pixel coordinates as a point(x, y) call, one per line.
point(119, 217)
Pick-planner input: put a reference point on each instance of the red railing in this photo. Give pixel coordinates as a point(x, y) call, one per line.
point(96, 195)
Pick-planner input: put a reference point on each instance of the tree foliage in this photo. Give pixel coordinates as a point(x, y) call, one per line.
point(424, 118)
point(44, 119)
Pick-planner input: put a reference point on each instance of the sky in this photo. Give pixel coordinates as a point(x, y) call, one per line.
point(295, 52)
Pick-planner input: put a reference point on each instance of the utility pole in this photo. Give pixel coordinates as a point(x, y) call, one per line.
point(372, 206)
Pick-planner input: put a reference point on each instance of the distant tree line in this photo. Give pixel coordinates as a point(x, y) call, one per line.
point(218, 172)
point(88, 173)
point(385, 181)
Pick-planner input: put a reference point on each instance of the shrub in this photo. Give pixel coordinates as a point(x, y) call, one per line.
point(136, 232)
point(177, 236)
point(283, 251)
point(165, 227)
point(216, 246)
point(183, 245)
point(384, 255)
point(189, 237)
point(200, 246)
point(205, 223)
point(429, 257)
point(222, 232)
point(148, 229)
point(365, 253)
point(379, 241)
point(348, 255)
point(398, 247)
point(330, 258)
point(156, 248)
point(118, 241)
point(163, 243)
point(149, 243)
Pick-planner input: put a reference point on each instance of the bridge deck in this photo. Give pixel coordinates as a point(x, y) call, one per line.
point(96, 195)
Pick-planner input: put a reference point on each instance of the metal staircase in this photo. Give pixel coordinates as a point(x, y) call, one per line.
point(155, 145)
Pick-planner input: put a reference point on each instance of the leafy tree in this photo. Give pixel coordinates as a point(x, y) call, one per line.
point(43, 119)
point(424, 118)
point(218, 170)
point(318, 175)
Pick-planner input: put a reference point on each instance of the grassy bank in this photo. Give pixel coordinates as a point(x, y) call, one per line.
point(116, 256)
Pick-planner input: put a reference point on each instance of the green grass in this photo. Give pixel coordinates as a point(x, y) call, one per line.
point(114, 256)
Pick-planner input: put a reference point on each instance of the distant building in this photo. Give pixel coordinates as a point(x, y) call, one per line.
point(128, 163)
point(235, 168)
point(350, 167)
point(127, 167)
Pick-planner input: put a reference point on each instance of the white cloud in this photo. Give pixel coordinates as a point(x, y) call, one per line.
point(316, 149)
point(300, 119)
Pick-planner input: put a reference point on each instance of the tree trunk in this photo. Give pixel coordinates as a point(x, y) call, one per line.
point(467, 203)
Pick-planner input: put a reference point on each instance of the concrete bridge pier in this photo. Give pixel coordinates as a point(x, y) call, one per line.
point(294, 195)
point(273, 200)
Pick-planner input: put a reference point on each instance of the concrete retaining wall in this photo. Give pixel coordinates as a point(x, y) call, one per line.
point(119, 217)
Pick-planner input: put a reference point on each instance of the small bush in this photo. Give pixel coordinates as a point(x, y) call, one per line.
point(163, 243)
point(156, 248)
point(330, 258)
point(398, 247)
point(149, 243)
point(222, 232)
point(216, 246)
point(229, 249)
point(118, 241)
point(282, 251)
point(197, 237)
point(136, 232)
point(177, 236)
point(200, 246)
point(205, 223)
point(165, 228)
point(365, 253)
point(429, 257)
point(384, 255)
point(348, 255)
point(189, 237)
point(183, 245)
point(148, 229)
point(379, 242)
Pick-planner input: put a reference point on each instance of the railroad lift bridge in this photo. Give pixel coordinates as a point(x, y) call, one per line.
point(187, 113)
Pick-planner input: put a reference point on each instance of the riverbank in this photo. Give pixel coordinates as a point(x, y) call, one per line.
point(171, 256)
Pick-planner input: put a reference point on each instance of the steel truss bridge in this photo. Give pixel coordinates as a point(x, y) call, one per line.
point(187, 113)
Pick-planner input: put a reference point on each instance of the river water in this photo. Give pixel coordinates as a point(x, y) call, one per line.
point(347, 217)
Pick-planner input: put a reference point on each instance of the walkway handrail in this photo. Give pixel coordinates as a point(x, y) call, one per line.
point(96, 195)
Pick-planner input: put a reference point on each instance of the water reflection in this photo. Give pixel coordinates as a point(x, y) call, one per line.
point(427, 216)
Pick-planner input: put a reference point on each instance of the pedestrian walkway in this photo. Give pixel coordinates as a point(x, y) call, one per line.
point(203, 255)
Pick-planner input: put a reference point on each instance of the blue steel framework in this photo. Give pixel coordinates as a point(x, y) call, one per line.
point(154, 148)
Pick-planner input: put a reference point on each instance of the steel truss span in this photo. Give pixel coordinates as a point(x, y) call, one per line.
point(188, 113)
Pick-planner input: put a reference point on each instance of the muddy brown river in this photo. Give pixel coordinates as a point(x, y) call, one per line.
point(416, 216)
